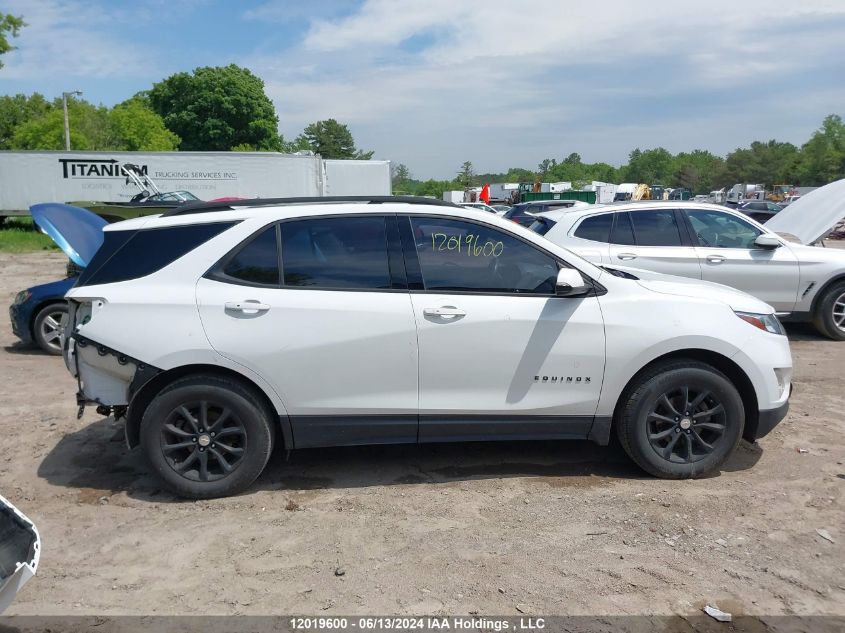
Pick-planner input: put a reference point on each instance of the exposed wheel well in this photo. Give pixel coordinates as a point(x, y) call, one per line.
point(820, 294)
point(141, 400)
point(725, 365)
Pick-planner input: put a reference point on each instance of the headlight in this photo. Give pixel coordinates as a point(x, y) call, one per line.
point(767, 322)
point(22, 297)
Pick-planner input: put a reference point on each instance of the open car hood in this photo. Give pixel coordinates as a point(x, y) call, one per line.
point(813, 215)
point(20, 550)
point(77, 231)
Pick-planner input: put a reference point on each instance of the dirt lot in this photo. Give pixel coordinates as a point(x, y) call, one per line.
point(567, 528)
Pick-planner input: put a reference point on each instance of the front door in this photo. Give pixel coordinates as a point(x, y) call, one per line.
point(331, 333)
point(500, 355)
point(652, 239)
point(725, 247)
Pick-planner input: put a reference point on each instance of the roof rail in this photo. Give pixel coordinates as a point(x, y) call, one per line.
point(228, 205)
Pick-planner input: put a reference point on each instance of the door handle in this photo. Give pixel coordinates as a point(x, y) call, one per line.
point(445, 311)
point(626, 256)
point(250, 305)
point(715, 259)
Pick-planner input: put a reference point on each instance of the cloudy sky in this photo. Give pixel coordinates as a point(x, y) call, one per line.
point(432, 83)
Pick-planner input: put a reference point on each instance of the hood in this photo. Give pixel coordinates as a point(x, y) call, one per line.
point(697, 289)
point(78, 232)
point(813, 215)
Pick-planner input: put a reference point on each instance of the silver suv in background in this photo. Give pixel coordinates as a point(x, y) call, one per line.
point(800, 281)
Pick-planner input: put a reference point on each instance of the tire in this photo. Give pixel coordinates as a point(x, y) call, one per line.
point(829, 317)
point(646, 426)
point(47, 327)
point(182, 450)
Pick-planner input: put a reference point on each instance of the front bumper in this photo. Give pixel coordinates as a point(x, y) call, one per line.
point(19, 318)
point(769, 419)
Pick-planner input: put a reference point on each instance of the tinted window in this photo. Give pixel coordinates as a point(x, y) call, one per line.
point(257, 261)
point(146, 252)
point(622, 233)
point(336, 253)
point(595, 228)
point(541, 226)
point(462, 256)
point(519, 214)
point(722, 230)
point(656, 228)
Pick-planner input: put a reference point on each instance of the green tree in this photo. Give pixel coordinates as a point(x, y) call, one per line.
point(137, 128)
point(10, 26)
point(435, 188)
point(652, 166)
point(466, 175)
point(17, 110)
point(546, 165)
point(822, 158)
point(330, 139)
point(401, 179)
point(217, 108)
point(697, 171)
point(90, 129)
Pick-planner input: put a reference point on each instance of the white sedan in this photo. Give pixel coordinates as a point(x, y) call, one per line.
point(703, 241)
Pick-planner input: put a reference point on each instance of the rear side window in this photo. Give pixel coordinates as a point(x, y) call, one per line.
point(656, 228)
point(348, 253)
point(541, 226)
point(623, 232)
point(145, 252)
point(595, 228)
point(257, 262)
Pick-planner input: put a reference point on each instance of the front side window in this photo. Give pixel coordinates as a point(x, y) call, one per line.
point(257, 262)
point(722, 230)
point(466, 257)
point(656, 228)
point(595, 228)
point(347, 253)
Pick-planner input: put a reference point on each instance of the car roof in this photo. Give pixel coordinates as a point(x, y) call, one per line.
point(576, 213)
point(275, 210)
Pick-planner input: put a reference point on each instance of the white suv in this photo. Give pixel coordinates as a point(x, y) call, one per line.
point(219, 329)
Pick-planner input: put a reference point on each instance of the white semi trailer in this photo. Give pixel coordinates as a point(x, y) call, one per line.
point(30, 177)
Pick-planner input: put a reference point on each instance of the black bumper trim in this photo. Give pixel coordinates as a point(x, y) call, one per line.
point(769, 419)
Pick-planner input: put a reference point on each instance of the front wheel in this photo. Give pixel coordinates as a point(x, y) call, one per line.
point(206, 436)
point(680, 420)
point(47, 327)
point(829, 318)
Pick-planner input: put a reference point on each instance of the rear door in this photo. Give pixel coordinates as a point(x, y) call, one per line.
point(654, 239)
point(725, 247)
point(500, 355)
point(320, 309)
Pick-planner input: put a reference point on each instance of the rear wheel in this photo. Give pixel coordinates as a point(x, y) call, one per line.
point(207, 436)
point(829, 318)
point(680, 420)
point(47, 327)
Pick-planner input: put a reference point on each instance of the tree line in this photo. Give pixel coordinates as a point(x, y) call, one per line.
point(210, 109)
point(817, 162)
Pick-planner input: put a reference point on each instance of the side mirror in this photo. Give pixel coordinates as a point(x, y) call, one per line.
point(570, 283)
point(767, 242)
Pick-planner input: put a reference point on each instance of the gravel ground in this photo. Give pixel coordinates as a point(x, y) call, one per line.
point(552, 527)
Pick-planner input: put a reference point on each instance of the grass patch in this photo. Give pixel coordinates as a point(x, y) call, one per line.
point(20, 235)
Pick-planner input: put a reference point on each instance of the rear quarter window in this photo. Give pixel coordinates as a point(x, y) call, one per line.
point(127, 255)
point(595, 228)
